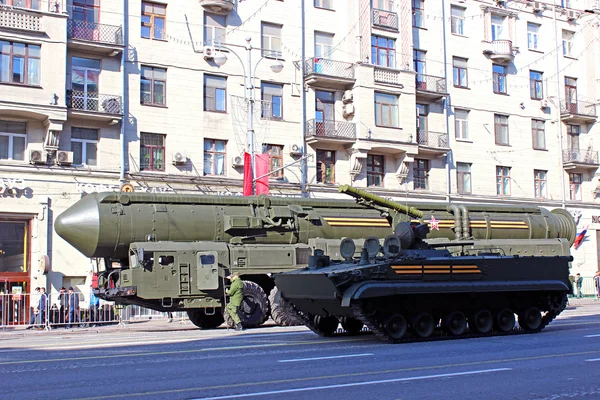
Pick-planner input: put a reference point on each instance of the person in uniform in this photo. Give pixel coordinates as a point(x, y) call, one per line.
point(236, 294)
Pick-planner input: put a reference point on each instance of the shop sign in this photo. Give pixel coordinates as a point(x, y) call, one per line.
point(94, 187)
point(14, 187)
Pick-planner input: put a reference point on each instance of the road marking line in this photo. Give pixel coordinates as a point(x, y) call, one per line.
point(594, 359)
point(325, 358)
point(592, 336)
point(345, 385)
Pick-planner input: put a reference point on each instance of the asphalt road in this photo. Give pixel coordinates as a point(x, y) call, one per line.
point(292, 363)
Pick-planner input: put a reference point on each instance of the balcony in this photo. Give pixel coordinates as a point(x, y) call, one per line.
point(222, 7)
point(580, 112)
point(387, 20)
point(95, 106)
point(96, 38)
point(500, 51)
point(20, 20)
point(430, 88)
point(386, 76)
point(330, 132)
point(435, 143)
point(580, 159)
point(329, 73)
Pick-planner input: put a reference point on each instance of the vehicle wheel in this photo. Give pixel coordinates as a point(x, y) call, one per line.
point(505, 320)
point(395, 326)
point(281, 311)
point(352, 325)
point(205, 321)
point(255, 306)
point(530, 319)
point(327, 325)
point(481, 321)
point(423, 325)
point(455, 323)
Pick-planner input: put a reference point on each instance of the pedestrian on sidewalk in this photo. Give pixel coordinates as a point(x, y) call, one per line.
point(597, 284)
point(34, 300)
point(579, 282)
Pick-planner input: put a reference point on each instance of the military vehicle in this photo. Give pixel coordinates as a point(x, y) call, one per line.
point(410, 290)
point(171, 252)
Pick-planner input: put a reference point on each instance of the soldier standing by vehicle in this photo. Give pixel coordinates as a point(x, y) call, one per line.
point(236, 294)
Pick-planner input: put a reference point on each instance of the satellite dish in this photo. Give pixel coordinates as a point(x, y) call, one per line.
point(391, 246)
point(372, 245)
point(405, 234)
point(347, 248)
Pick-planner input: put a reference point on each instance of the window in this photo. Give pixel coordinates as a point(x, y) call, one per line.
point(152, 152)
point(273, 94)
point(503, 181)
point(536, 87)
point(418, 7)
point(215, 27)
point(271, 40)
point(153, 20)
point(498, 27)
point(325, 166)
point(533, 36)
point(575, 186)
point(573, 132)
point(324, 112)
point(499, 72)
point(571, 95)
point(31, 4)
point(386, 110)
point(457, 20)
point(324, 4)
point(539, 182)
point(567, 43)
point(16, 237)
point(84, 144)
point(13, 137)
point(461, 124)
point(85, 74)
point(422, 113)
point(215, 93)
point(153, 86)
point(214, 157)
point(383, 51)
point(323, 45)
point(386, 5)
point(374, 170)
point(459, 66)
point(275, 153)
point(87, 11)
point(538, 133)
point(19, 63)
point(421, 174)
point(463, 178)
point(501, 129)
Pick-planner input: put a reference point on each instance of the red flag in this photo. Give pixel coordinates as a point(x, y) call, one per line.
point(262, 170)
point(247, 174)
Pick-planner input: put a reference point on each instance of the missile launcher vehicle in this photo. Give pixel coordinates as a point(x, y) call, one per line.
point(410, 290)
point(171, 252)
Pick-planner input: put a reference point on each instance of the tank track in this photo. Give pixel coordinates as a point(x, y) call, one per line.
point(306, 320)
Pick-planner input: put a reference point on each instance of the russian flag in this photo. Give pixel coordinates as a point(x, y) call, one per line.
point(579, 238)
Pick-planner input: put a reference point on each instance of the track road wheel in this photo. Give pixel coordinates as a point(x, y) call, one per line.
point(481, 321)
point(395, 326)
point(352, 325)
point(205, 321)
point(281, 311)
point(455, 323)
point(505, 320)
point(530, 319)
point(327, 325)
point(423, 325)
point(254, 308)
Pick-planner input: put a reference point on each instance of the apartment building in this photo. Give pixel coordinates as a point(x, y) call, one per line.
point(433, 100)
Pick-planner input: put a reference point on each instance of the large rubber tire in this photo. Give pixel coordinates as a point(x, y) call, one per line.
point(254, 308)
point(205, 321)
point(281, 311)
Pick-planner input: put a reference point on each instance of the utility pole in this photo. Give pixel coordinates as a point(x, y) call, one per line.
point(304, 167)
point(558, 106)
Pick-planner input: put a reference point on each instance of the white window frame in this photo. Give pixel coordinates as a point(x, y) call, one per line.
point(457, 20)
point(533, 36)
point(390, 102)
point(541, 190)
point(464, 173)
point(324, 48)
point(461, 125)
point(215, 30)
point(498, 31)
point(384, 5)
point(503, 180)
point(11, 146)
point(568, 43)
point(268, 48)
point(84, 143)
point(326, 4)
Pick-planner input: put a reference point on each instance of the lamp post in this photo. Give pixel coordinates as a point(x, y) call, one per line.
point(249, 74)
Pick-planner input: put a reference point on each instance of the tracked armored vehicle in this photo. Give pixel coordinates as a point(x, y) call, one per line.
point(408, 289)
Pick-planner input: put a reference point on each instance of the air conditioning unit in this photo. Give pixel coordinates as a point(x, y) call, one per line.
point(544, 103)
point(571, 15)
point(295, 151)
point(209, 52)
point(38, 157)
point(112, 106)
point(64, 157)
point(537, 6)
point(237, 161)
point(348, 110)
point(347, 97)
point(179, 158)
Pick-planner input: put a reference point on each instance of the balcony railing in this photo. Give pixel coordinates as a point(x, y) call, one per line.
point(500, 50)
point(385, 75)
point(385, 19)
point(331, 129)
point(580, 156)
point(579, 107)
point(431, 83)
point(94, 102)
point(322, 66)
point(93, 32)
point(18, 19)
point(438, 140)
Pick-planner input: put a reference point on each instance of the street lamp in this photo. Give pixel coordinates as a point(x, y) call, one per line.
point(249, 74)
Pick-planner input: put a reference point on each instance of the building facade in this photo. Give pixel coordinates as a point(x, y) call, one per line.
point(464, 101)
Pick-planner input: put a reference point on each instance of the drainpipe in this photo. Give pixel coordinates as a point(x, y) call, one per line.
point(124, 96)
point(558, 121)
point(446, 104)
point(304, 178)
